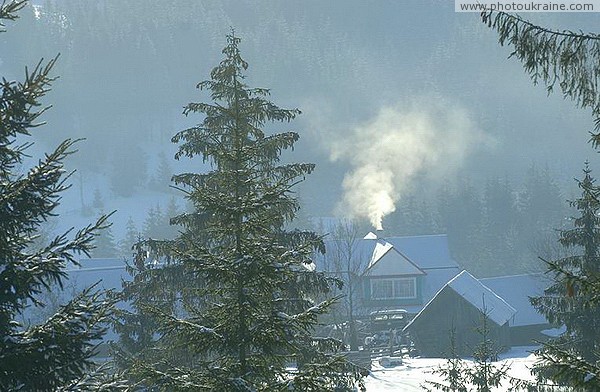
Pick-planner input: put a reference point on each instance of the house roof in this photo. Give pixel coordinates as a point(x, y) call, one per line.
point(360, 250)
point(516, 290)
point(477, 294)
point(387, 260)
point(427, 251)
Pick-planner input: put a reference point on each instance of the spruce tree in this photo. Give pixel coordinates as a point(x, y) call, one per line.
point(570, 300)
point(104, 244)
point(55, 354)
point(154, 222)
point(484, 375)
point(453, 373)
point(162, 179)
point(246, 320)
point(131, 237)
point(570, 61)
point(170, 230)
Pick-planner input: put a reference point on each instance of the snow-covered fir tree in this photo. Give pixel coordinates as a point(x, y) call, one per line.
point(570, 300)
point(55, 354)
point(245, 317)
point(98, 202)
point(154, 222)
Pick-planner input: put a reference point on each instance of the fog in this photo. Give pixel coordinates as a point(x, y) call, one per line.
point(404, 96)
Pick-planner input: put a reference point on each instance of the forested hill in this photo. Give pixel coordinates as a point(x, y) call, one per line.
point(127, 69)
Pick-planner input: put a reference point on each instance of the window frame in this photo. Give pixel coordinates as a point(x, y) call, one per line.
point(394, 293)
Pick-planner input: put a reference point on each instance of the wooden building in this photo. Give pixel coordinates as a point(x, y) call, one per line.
point(528, 326)
point(459, 305)
point(406, 272)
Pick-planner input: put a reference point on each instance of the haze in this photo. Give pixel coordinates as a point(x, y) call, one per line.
point(127, 68)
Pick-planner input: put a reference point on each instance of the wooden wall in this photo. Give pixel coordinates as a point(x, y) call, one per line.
point(432, 328)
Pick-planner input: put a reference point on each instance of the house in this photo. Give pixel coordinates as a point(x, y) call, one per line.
point(527, 324)
point(394, 273)
point(458, 306)
point(406, 272)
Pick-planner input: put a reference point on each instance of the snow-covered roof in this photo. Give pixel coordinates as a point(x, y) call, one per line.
point(427, 251)
point(436, 278)
point(361, 251)
point(106, 274)
point(516, 290)
point(482, 297)
point(432, 249)
point(478, 295)
point(381, 249)
point(386, 260)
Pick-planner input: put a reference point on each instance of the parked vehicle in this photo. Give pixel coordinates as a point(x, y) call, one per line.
point(385, 331)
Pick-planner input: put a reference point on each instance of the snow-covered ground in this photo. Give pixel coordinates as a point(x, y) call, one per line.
point(415, 371)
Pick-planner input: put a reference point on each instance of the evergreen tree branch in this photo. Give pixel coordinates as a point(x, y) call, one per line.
point(9, 9)
point(566, 58)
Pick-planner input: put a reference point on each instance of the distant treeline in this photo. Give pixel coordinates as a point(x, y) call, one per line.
point(495, 227)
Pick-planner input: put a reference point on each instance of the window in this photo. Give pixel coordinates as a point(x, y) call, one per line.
point(399, 288)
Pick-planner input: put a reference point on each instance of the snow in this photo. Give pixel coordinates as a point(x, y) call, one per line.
point(516, 290)
point(554, 332)
point(415, 371)
point(388, 261)
point(381, 248)
point(370, 236)
point(135, 206)
point(482, 297)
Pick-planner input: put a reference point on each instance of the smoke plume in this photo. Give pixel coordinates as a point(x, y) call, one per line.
point(386, 154)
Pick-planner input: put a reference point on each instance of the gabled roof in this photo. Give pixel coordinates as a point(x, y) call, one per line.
point(387, 260)
point(478, 295)
point(482, 297)
point(516, 290)
point(427, 251)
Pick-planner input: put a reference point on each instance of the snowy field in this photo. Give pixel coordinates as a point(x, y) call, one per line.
point(415, 371)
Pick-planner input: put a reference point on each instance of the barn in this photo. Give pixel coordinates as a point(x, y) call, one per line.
point(459, 306)
point(527, 326)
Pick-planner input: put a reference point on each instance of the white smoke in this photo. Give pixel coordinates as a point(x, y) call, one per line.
point(385, 154)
